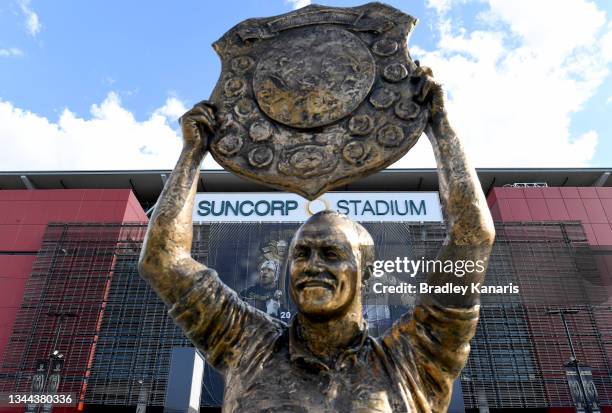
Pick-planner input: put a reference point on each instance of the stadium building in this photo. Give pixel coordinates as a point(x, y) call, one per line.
point(77, 319)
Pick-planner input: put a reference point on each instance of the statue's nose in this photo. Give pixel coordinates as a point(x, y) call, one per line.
point(315, 265)
point(315, 258)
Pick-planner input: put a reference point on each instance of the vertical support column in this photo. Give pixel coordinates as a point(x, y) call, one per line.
point(184, 381)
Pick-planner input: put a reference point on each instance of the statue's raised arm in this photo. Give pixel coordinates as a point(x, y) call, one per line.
point(165, 260)
point(470, 229)
point(210, 313)
point(434, 341)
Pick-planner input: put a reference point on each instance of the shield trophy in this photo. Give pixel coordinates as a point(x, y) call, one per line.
point(316, 98)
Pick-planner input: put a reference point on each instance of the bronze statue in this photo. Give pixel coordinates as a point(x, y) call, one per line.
point(324, 360)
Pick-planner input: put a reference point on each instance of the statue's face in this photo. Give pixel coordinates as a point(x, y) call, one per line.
point(324, 268)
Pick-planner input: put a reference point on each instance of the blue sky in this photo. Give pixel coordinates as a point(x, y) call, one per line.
point(99, 84)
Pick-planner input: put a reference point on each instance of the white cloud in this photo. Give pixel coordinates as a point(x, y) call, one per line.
point(12, 51)
point(441, 6)
point(516, 80)
point(297, 4)
point(32, 23)
point(109, 139)
point(172, 109)
point(609, 100)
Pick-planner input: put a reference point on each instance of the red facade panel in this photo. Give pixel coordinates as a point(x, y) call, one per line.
point(93, 195)
point(11, 291)
point(495, 212)
point(29, 237)
point(575, 209)
point(519, 208)
point(551, 193)
point(531, 193)
point(15, 266)
point(12, 213)
point(538, 209)
point(8, 235)
point(595, 211)
point(60, 194)
point(101, 211)
point(491, 198)
point(569, 192)
point(587, 192)
point(606, 204)
point(36, 212)
point(505, 212)
point(604, 193)
point(505, 192)
point(603, 233)
point(62, 211)
point(556, 209)
point(14, 195)
point(134, 212)
point(115, 194)
point(44, 206)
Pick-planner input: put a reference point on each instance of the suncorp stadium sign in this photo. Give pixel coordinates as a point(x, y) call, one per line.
point(274, 207)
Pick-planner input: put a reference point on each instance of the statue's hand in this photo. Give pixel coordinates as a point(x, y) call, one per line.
point(198, 125)
point(428, 90)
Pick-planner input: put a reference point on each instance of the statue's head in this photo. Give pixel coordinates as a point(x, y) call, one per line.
point(329, 258)
point(268, 273)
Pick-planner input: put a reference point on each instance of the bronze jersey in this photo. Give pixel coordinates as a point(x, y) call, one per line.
point(268, 368)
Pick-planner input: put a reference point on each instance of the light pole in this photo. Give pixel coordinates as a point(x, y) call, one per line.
point(141, 407)
point(54, 354)
point(573, 361)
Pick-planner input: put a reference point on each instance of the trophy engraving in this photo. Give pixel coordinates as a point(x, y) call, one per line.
point(310, 100)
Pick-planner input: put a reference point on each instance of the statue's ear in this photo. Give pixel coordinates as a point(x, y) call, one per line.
point(367, 272)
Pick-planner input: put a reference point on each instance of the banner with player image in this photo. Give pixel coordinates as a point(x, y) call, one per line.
point(251, 258)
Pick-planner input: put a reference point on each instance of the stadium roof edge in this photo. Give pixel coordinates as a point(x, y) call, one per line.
point(147, 184)
point(222, 171)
